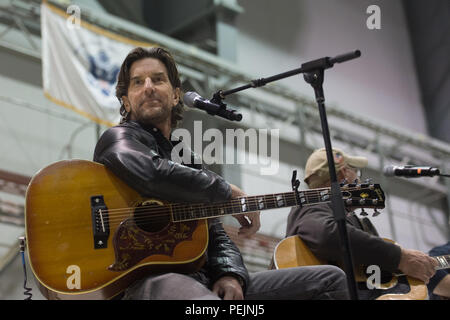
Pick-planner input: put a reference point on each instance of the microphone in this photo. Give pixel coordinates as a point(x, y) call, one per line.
point(411, 171)
point(345, 57)
point(194, 100)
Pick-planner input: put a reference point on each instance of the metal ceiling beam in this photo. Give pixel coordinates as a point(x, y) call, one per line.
point(13, 183)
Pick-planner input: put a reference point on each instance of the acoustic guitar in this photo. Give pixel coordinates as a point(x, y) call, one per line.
point(293, 252)
point(89, 235)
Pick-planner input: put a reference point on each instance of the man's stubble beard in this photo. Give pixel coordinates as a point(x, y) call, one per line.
point(154, 116)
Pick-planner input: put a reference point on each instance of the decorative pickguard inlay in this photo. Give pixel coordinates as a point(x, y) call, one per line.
point(132, 244)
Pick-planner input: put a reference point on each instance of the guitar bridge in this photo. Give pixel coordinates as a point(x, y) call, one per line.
point(100, 222)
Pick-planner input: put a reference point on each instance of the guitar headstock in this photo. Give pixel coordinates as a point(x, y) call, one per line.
point(364, 195)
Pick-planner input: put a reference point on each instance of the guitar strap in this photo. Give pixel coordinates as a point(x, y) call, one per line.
point(364, 224)
point(368, 226)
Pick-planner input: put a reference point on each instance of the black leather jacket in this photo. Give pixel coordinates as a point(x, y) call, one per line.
point(141, 158)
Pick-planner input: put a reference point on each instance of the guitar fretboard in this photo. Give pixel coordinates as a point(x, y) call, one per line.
point(188, 211)
point(444, 262)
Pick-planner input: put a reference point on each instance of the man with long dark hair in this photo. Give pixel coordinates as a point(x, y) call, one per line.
point(138, 151)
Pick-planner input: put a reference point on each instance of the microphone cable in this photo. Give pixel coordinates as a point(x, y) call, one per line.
point(27, 291)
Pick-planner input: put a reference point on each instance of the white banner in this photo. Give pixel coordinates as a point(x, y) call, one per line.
point(80, 63)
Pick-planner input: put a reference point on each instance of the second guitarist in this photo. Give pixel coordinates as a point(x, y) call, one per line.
point(317, 228)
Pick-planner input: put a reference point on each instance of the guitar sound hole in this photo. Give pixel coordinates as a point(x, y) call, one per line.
point(151, 217)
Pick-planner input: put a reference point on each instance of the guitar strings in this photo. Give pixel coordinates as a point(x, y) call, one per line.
point(154, 217)
point(158, 214)
point(117, 215)
point(117, 219)
point(235, 203)
point(161, 217)
point(146, 220)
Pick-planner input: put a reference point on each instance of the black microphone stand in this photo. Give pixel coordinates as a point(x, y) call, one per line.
point(313, 73)
point(315, 78)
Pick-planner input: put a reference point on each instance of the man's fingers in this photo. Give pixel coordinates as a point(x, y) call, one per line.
point(229, 294)
point(256, 219)
point(228, 288)
point(216, 290)
point(255, 223)
point(248, 230)
point(245, 232)
point(242, 220)
point(250, 223)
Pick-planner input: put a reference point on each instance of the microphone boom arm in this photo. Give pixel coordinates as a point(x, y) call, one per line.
point(322, 63)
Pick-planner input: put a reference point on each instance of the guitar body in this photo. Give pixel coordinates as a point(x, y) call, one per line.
point(85, 239)
point(293, 252)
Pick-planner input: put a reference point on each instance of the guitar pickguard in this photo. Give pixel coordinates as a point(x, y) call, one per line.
point(132, 244)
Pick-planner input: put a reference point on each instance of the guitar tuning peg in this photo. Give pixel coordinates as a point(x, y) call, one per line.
point(294, 175)
point(363, 213)
point(295, 184)
point(369, 180)
point(343, 182)
point(375, 213)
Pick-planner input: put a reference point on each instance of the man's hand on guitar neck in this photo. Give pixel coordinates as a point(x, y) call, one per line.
point(417, 264)
point(250, 222)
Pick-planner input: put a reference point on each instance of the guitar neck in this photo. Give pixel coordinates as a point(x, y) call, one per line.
point(444, 262)
point(188, 211)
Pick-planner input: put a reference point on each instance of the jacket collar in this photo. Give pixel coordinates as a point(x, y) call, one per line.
point(154, 131)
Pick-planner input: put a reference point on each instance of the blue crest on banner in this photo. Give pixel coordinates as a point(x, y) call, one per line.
point(103, 71)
